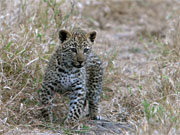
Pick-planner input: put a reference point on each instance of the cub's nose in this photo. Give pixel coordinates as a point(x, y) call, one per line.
point(80, 62)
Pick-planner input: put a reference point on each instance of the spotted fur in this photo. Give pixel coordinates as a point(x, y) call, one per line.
point(73, 68)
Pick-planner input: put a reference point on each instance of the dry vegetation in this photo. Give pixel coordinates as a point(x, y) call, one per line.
point(139, 42)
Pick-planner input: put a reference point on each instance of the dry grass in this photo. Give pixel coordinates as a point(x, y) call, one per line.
point(137, 40)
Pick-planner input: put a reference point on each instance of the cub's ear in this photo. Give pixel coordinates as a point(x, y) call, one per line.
point(91, 36)
point(64, 35)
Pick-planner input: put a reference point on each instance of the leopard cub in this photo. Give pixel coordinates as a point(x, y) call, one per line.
point(76, 69)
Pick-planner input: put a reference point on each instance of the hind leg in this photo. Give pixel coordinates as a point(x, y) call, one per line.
point(93, 99)
point(94, 85)
point(46, 100)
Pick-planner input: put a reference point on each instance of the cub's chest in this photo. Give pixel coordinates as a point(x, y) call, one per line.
point(65, 81)
point(70, 78)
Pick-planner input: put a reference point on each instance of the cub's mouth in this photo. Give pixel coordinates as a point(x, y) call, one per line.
point(78, 65)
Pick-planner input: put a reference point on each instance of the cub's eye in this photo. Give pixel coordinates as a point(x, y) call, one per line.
point(86, 50)
point(74, 50)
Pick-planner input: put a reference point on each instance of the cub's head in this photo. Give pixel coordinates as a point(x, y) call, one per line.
point(77, 46)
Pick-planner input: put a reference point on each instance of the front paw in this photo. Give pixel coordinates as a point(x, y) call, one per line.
point(70, 124)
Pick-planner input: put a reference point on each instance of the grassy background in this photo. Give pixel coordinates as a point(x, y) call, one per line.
point(138, 42)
